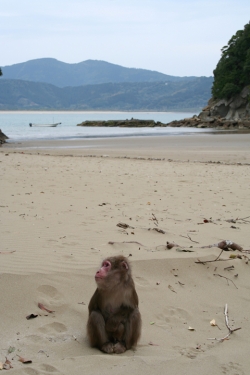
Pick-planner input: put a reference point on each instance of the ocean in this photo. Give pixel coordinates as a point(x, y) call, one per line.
point(15, 125)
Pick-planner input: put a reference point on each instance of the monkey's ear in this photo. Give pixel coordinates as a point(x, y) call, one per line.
point(124, 265)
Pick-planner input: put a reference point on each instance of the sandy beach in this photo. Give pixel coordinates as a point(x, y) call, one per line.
point(61, 202)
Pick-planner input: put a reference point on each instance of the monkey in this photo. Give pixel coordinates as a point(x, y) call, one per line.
point(114, 322)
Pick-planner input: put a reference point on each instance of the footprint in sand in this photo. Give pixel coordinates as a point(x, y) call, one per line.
point(48, 368)
point(49, 291)
point(188, 352)
point(45, 369)
point(30, 371)
point(140, 281)
point(54, 327)
point(49, 295)
point(232, 369)
point(174, 315)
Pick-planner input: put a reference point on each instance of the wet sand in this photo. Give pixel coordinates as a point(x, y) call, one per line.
point(202, 147)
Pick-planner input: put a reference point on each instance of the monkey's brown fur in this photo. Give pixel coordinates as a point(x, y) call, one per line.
point(114, 323)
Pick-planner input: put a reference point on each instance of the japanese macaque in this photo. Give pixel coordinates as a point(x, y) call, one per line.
point(114, 323)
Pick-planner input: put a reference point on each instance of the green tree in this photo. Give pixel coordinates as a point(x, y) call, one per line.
point(1, 72)
point(232, 72)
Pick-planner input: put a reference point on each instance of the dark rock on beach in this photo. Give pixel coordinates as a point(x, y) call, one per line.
point(133, 123)
point(3, 137)
point(222, 114)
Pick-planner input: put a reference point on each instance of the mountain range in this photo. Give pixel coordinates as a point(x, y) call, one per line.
point(47, 84)
point(89, 72)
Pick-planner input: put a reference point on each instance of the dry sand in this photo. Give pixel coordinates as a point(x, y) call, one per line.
point(59, 211)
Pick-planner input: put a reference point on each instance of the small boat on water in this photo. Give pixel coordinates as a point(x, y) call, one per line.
point(45, 125)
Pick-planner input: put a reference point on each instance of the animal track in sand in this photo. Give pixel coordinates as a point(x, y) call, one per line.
point(54, 327)
point(173, 315)
point(30, 371)
point(50, 295)
point(49, 291)
point(45, 369)
point(48, 368)
point(232, 369)
point(188, 352)
point(140, 281)
point(34, 339)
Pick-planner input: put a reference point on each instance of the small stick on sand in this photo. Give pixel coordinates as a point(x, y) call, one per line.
point(224, 277)
point(208, 261)
point(227, 325)
point(189, 238)
point(244, 219)
point(155, 219)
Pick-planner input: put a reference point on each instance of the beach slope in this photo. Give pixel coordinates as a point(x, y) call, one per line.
point(59, 213)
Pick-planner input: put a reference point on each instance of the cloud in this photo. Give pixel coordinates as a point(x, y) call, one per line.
point(175, 37)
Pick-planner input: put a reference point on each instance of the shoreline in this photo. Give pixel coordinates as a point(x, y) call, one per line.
point(230, 147)
point(97, 111)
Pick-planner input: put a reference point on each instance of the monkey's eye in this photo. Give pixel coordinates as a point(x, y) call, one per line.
point(106, 264)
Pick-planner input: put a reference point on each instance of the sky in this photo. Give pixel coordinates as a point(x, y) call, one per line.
point(175, 37)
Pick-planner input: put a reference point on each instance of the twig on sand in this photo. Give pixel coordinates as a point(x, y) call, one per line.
point(209, 261)
point(238, 218)
point(113, 242)
point(158, 230)
point(155, 219)
point(124, 225)
point(224, 277)
point(244, 219)
point(189, 238)
point(230, 330)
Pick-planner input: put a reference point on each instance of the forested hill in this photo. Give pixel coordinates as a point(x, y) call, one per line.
point(89, 72)
point(152, 96)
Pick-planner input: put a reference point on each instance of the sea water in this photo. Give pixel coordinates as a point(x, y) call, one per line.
point(15, 125)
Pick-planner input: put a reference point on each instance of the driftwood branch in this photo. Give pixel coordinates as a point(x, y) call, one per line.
point(230, 330)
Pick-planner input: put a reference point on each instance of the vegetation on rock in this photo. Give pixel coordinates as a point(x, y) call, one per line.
point(232, 72)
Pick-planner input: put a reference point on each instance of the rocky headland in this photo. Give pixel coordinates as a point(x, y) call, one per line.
point(222, 114)
point(3, 137)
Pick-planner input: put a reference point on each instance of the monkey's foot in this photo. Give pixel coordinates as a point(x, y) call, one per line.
point(108, 348)
point(119, 348)
point(111, 348)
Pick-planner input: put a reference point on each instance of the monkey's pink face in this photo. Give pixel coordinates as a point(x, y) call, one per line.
point(103, 271)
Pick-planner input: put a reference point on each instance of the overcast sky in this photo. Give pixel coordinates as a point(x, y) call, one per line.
point(176, 37)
